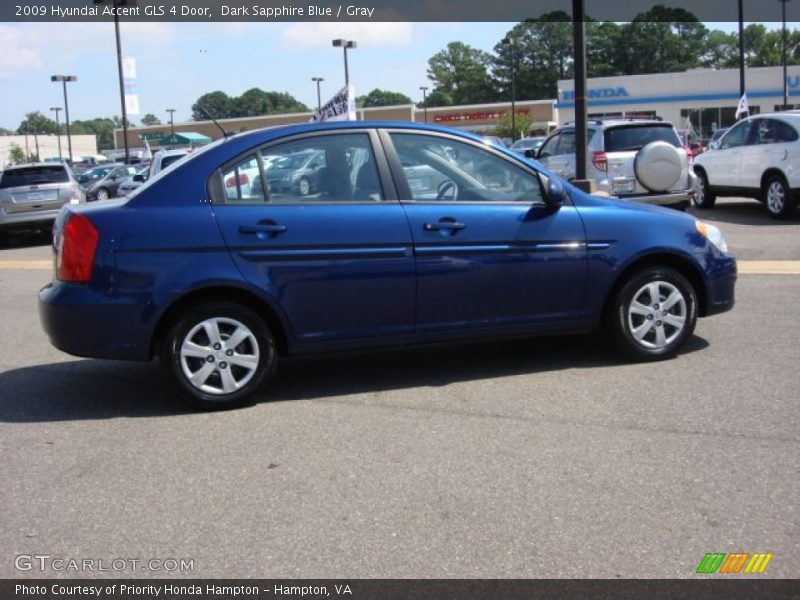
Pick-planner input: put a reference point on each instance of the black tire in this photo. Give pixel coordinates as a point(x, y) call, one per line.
point(257, 348)
point(704, 198)
point(628, 323)
point(102, 194)
point(777, 197)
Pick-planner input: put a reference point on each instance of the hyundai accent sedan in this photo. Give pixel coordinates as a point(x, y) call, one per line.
point(220, 282)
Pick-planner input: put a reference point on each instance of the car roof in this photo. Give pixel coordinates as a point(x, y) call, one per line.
point(35, 164)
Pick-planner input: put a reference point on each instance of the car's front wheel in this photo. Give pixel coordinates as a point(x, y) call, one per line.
point(102, 194)
point(704, 198)
point(219, 354)
point(778, 197)
point(304, 186)
point(653, 314)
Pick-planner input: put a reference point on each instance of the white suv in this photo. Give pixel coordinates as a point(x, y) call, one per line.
point(642, 160)
point(759, 158)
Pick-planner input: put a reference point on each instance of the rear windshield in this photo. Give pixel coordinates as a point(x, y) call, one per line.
point(33, 176)
point(168, 160)
point(620, 139)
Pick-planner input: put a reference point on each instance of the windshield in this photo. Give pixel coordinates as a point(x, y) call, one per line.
point(635, 137)
point(39, 175)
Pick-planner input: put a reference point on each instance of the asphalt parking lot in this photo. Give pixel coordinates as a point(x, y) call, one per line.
point(538, 458)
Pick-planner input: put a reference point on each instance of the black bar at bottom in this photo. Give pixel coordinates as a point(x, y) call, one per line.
point(718, 588)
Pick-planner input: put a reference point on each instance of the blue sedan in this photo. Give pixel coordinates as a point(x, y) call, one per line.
point(411, 234)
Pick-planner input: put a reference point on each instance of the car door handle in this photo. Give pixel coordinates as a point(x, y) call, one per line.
point(256, 229)
point(452, 225)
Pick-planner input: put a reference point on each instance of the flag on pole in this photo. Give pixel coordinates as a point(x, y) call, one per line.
point(342, 107)
point(742, 109)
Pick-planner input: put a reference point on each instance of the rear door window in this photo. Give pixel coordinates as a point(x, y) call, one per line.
point(40, 175)
point(635, 137)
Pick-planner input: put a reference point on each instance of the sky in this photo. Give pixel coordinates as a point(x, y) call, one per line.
point(178, 62)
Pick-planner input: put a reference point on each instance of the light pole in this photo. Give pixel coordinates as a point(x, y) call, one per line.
point(785, 85)
point(116, 4)
point(318, 80)
point(171, 112)
point(55, 109)
point(510, 42)
point(345, 44)
point(424, 89)
point(64, 79)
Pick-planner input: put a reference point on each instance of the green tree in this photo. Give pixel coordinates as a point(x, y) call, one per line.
point(218, 104)
point(523, 123)
point(4, 131)
point(17, 154)
point(378, 97)
point(102, 128)
point(461, 75)
point(150, 119)
point(602, 41)
point(661, 40)
point(542, 50)
point(38, 123)
point(721, 50)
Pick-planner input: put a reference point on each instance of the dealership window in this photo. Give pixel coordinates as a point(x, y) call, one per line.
point(705, 121)
point(780, 107)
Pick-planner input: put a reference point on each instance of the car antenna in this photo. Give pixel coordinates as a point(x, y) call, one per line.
point(225, 134)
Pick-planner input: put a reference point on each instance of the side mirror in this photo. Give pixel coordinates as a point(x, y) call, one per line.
point(530, 153)
point(556, 194)
point(713, 145)
point(139, 177)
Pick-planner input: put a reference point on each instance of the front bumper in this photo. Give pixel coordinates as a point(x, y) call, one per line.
point(720, 284)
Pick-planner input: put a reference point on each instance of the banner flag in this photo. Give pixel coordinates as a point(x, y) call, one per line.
point(742, 109)
point(342, 107)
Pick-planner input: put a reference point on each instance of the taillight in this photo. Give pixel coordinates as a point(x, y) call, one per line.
point(76, 250)
point(600, 161)
point(231, 181)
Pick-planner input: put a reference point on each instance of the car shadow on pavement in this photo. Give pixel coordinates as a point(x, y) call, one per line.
point(26, 239)
point(746, 212)
point(99, 389)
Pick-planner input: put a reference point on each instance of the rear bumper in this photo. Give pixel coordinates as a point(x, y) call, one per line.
point(32, 220)
point(84, 322)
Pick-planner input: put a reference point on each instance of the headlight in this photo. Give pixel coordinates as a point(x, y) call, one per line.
point(712, 234)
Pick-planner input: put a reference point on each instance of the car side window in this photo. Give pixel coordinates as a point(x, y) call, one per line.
point(737, 136)
point(329, 168)
point(549, 147)
point(567, 143)
point(784, 132)
point(242, 181)
point(443, 169)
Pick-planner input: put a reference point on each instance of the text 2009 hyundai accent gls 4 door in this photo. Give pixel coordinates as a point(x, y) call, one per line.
point(411, 233)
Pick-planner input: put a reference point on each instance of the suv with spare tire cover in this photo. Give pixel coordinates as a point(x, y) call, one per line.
point(642, 160)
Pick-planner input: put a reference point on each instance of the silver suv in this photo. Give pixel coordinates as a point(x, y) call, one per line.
point(32, 194)
point(632, 159)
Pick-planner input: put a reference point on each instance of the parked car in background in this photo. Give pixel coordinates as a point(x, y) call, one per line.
point(691, 144)
point(31, 195)
point(298, 172)
point(127, 185)
point(759, 158)
point(531, 144)
point(102, 183)
point(160, 161)
point(495, 140)
point(220, 286)
point(640, 160)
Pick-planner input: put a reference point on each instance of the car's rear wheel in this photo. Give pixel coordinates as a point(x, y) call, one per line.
point(778, 197)
point(102, 194)
point(653, 314)
point(304, 186)
point(219, 354)
point(704, 198)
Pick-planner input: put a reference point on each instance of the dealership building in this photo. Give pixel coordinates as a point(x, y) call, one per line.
point(478, 118)
point(707, 98)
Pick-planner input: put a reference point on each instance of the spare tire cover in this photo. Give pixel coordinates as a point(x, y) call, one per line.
point(658, 166)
